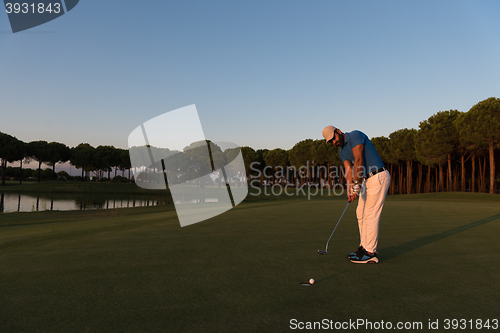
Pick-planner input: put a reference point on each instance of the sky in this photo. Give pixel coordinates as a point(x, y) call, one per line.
point(264, 74)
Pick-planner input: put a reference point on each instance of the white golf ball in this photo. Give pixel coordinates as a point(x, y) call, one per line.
point(311, 281)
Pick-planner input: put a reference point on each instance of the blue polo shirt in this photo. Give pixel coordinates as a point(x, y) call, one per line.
point(372, 160)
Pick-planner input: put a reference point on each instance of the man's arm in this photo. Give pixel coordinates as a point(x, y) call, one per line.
point(348, 178)
point(348, 171)
point(359, 162)
point(355, 173)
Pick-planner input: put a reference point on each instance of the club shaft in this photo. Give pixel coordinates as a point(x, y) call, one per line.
point(326, 250)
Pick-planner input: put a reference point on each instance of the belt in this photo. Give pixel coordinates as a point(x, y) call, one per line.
point(373, 173)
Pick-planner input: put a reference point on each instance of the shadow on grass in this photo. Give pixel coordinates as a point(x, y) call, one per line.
point(397, 250)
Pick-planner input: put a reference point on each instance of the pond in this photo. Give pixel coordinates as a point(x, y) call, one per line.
point(16, 202)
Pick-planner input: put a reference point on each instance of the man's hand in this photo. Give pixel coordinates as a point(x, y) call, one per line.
point(356, 188)
point(353, 192)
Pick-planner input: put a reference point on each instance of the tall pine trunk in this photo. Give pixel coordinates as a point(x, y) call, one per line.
point(4, 168)
point(420, 178)
point(437, 180)
point(450, 177)
point(473, 185)
point(428, 183)
point(21, 172)
point(409, 178)
point(392, 179)
point(492, 166)
point(400, 190)
point(462, 162)
point(441, 178)
point(308, 176)
point(482, 175)
point(329, 176)
point(39, 170)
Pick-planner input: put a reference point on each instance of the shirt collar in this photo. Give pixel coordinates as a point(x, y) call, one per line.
point(346, 139)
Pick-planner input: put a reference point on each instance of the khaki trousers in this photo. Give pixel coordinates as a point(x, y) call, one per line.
point(370, 204)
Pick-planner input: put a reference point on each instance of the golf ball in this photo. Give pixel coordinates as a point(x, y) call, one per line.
point(311, 281)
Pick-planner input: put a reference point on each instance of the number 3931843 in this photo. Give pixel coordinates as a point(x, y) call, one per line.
point(28, 14)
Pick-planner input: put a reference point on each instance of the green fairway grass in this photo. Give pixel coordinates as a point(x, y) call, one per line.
point(137, 270)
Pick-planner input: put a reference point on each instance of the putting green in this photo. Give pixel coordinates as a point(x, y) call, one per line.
point(138, 270)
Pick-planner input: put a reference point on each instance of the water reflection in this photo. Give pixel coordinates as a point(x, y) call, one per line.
point(14, 202)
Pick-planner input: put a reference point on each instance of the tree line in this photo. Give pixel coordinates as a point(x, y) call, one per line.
point(450, 151)
point(99, 160)
point(192, 165)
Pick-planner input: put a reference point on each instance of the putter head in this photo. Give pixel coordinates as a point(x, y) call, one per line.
point(322, 252)
point(305, 284)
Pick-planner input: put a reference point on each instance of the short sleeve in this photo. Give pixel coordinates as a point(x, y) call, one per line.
point(357, 138)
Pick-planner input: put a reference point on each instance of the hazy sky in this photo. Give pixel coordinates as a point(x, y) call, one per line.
point(264, 74)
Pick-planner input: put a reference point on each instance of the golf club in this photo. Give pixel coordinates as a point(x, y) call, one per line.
point(326, 249)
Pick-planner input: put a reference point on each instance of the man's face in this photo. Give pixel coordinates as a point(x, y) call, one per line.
point(337, 140)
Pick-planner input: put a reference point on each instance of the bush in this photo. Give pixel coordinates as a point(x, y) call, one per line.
point(119, 179)
point(63, 175)
point(47, 174)
point(15, 172)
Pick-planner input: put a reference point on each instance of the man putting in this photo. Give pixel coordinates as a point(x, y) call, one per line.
point(368, 179)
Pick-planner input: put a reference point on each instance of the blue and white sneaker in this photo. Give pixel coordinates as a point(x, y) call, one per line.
point(358, 253)
point(365, 258)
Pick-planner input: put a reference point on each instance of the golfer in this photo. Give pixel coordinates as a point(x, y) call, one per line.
point(368, 179)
